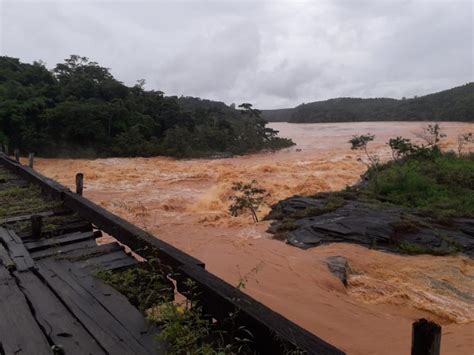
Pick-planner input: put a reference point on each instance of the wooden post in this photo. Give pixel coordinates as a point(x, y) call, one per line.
point(79, 183)
point(17, 154)
point(5, 149)
point(36, 225)
point(426, 338)
point(31, 158)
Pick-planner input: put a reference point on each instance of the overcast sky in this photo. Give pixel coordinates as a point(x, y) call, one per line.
point(274, 54)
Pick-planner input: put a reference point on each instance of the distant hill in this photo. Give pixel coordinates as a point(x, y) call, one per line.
point(455, 104)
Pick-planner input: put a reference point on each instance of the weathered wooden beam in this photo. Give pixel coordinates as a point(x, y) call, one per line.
point(58, 212)
point(426, 338)
point(62, 327)
point(17, 154)
point(36, 226)
point(19, 331)
point(79, 183)
point(60, 240)
point(31, 159)
point(89, 301)
point(17, 250)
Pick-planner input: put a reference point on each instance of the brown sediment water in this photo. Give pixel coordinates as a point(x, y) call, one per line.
point(184, 202)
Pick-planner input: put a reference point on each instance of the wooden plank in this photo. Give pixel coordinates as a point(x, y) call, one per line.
point(67, 228)
point(65, 249)
point(19, 332)
point(44, 253)
point(120, 307)
point(83, 303)
point(28, 216)
point(17, 250)
point(92, 252)
point(117, 264)
point(63, 328)
point(96, 261)
point(272, 333)
point(60, 240)
point(5, 259)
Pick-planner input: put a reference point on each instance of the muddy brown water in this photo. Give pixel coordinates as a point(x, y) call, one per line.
point(184, 202)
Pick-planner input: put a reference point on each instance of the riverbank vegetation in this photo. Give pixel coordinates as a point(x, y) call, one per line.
point(78, 109)
point(456, 104)
point(420, 202)
point(436, 183)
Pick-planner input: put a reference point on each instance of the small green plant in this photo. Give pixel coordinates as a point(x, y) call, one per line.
point(184, 328)
point(464, 139)
point(248, 197)
point(400, 147)
point(243, 279)
point(360, 143)
point(145, 286)
point(432, 136)
point(413, 249)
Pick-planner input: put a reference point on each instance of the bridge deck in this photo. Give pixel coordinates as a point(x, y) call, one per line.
point(50, 299)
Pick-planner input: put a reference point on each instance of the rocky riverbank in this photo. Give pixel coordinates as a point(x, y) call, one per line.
point(307, 222)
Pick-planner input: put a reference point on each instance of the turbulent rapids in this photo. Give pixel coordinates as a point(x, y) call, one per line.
point(185, 202)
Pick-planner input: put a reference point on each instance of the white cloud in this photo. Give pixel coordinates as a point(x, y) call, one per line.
point(274, 54)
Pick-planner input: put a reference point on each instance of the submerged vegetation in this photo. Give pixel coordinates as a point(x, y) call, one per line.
point(79, 109)
point(247, 197)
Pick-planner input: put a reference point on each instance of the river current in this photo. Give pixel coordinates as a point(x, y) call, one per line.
point(185, 202)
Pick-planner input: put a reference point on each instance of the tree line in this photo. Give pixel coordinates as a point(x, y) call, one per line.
point(78, 109)
point(455, 104)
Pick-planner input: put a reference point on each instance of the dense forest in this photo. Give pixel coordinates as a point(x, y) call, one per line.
point(78, 109)
point(456, 104)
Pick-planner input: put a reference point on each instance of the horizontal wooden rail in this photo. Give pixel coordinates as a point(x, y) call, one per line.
point(272, 333)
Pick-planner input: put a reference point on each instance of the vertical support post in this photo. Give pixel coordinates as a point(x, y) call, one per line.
point(17, 154)
point(31, 158)
point(36, 225)
point(426, 338)
point(5, 149)
point(79, 183)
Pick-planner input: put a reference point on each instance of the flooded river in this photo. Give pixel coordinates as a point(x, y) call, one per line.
point(185, 202)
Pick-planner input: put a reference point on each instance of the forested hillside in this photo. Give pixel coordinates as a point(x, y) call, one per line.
point(79, 109)
point(456, 104)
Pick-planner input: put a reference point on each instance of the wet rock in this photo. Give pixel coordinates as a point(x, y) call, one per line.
point(371, 224)
point(339, 266)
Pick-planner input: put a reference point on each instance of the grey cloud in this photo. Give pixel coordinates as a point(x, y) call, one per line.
point(274, 53)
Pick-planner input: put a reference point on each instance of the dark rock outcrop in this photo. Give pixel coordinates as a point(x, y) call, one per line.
point(307, 222)
point(339, 267)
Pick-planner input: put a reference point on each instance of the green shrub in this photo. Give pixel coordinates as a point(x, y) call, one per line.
point(442, 187)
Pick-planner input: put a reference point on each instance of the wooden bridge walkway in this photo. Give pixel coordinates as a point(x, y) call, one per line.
point(51, 302)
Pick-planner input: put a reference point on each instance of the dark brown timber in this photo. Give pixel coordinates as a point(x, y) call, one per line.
point(79, 183)
point(426, 338)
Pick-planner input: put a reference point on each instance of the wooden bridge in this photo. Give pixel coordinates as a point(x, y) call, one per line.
point(51, 302)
